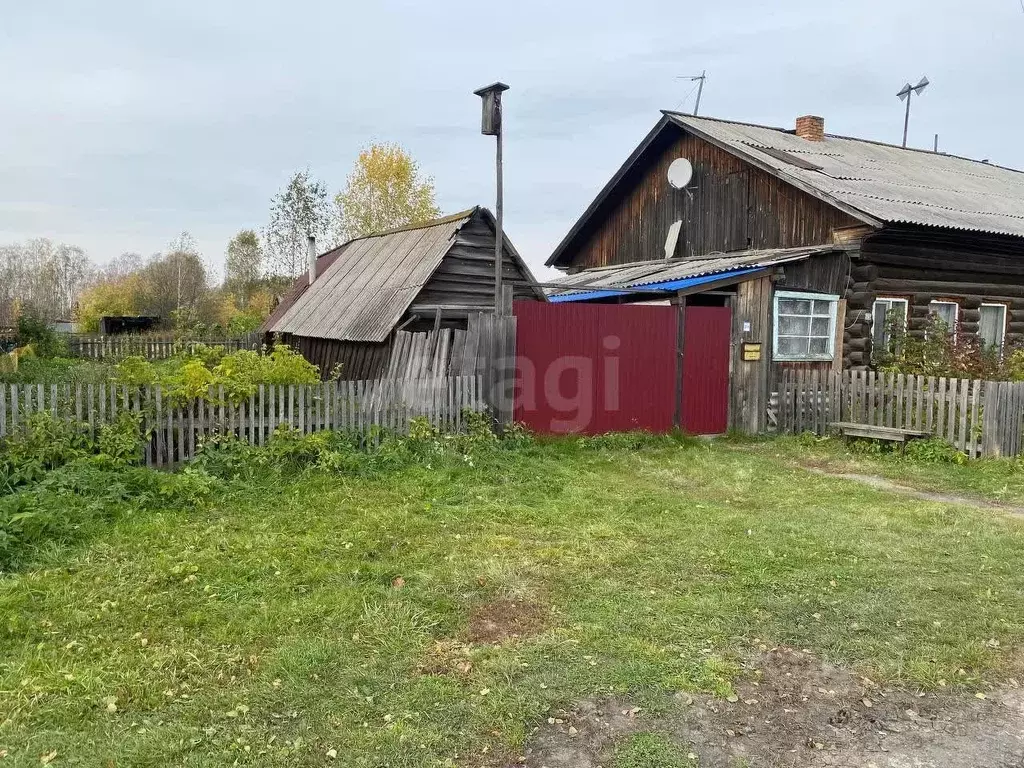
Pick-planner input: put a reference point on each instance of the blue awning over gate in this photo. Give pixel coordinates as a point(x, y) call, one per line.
point(667, 286)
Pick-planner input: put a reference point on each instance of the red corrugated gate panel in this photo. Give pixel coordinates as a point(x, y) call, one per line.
point(706, 370)
point(593, 368)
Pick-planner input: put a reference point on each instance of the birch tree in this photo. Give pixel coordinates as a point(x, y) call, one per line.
point(243, 264)
point(301, 209)
point(384, 191)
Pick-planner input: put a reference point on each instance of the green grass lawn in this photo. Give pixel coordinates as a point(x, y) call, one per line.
point(336, 619)
point(1000, 481)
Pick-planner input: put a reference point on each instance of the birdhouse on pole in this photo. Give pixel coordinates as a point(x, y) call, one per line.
point(490, 124)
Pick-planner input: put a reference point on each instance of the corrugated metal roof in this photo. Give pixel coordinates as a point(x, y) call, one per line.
point(886, 182)
point(666, 286)
point(654, 274)
point(367, 284)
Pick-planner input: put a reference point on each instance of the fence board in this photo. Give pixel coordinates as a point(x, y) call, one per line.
point(961, 442)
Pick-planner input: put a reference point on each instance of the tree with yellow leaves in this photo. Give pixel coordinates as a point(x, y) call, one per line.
point(385, 190)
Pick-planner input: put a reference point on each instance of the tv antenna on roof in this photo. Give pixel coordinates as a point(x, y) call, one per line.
point(700, 87)
point(905, 93)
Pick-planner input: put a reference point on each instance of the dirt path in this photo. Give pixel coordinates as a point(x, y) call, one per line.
point(793, 710)
point(884, 484)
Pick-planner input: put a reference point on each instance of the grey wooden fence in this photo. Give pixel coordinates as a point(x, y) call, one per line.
point(980, 418)
point(175, 428)
point(150, 347)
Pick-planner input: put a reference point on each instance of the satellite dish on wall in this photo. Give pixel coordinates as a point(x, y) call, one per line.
point(680, 173)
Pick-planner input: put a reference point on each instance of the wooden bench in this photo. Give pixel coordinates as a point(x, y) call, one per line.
point(892, 434)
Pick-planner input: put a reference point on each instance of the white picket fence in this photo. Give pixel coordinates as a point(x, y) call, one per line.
point(174, 429)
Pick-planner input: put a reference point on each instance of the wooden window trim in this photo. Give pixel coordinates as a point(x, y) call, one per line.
point(1006, 321)
point(956, 315)
point(891, 299)
point(833, 301)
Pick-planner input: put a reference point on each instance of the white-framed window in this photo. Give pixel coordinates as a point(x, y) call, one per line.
point(992, 327)
point(946, 311)
point(885, 312)
point(805, 326)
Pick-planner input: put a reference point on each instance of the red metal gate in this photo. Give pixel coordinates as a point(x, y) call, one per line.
point(593, 368)
point(705, 393)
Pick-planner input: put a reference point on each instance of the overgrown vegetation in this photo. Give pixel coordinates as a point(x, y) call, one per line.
point(317, 601)
point(207, 371)
point(35, 332)
point(188, 375)
point(939, 350)
point(58, 482)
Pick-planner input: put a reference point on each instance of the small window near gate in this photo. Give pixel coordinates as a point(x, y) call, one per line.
point(805, 326)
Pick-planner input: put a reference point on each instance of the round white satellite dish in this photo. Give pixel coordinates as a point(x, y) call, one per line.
point(680, 173)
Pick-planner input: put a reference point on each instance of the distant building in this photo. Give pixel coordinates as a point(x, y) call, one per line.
point(122, 324)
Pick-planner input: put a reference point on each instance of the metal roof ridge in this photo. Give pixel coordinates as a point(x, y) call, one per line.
point(449, 219)
point(841, 137)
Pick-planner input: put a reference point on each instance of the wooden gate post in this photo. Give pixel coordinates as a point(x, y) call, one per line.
point(680, 302)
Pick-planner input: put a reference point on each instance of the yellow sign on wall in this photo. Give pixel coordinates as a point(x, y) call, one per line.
point(751, 351)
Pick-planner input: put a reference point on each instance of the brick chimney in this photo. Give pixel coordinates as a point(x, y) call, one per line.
point(811, 127)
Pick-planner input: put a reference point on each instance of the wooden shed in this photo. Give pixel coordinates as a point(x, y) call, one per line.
point(429, 277)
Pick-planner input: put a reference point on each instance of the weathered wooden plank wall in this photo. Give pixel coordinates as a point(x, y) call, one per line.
point(749, 381)
point(465, 277)
point(729, 206)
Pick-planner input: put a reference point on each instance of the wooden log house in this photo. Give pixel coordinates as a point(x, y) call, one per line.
point(814, 241)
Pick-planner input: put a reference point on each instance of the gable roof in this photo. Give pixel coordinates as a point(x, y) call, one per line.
point(874, 182)
point(364, 287)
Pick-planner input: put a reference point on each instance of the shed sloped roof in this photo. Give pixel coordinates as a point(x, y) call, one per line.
point(367, 284)
point(648, 275)
point(886, 182)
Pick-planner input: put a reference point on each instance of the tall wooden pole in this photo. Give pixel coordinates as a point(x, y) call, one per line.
point(490, 125)
point(499, 216)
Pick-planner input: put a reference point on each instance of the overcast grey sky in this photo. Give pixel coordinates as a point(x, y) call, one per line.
point(123, 124)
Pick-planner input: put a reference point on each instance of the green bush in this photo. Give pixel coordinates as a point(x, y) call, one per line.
point(934, 450)
point(203, 370)
point(44, 340)
point(71, 503)
point(937, 351)
point(47, 443)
